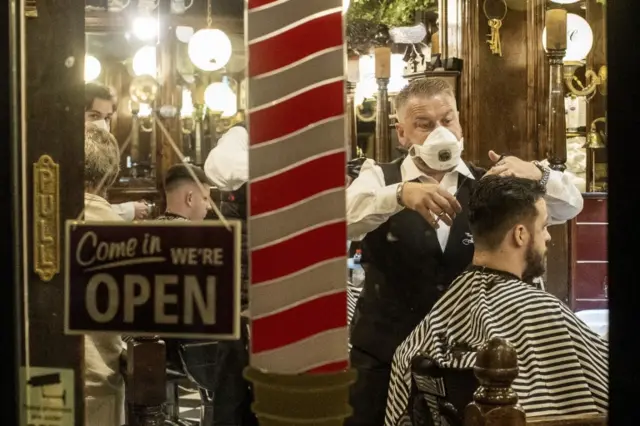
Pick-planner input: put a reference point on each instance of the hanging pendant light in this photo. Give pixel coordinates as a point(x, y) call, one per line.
point(209, 49)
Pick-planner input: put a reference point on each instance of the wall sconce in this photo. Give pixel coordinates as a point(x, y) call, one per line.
point(145, 117)
point(595, 141)
point(579, 44)
point(220, 98)
point(144, 62)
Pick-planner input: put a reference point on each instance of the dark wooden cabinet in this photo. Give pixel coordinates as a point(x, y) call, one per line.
point(589, 260)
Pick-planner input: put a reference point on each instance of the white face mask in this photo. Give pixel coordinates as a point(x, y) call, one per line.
point(440, 151)
point(102, 123)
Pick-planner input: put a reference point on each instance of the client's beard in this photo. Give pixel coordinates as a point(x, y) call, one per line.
point(535, 264)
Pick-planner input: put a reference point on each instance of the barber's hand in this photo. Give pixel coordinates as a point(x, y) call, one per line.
point(141, 210)
point(431, 201)
point(513, 166)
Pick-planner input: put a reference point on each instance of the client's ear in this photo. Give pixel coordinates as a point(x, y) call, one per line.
point(520, 235)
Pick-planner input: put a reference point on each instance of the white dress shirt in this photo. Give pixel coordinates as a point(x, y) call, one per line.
point(370, 202)
point(126, 211)
point(227, 164)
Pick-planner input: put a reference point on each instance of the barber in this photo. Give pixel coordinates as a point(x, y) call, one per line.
point(411, 216)
point(227, 166)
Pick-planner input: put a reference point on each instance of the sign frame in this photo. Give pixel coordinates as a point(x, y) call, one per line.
point(235, 227)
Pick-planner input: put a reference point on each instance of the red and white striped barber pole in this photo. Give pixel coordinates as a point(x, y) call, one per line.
point(297, 228)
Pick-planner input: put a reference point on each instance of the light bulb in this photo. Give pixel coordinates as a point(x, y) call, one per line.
point(218, 97)
point(144, 61)
point(209, 49)
point(145, 110)
point(92, 68)
point(579, 38)
point(186, 110)
point(145, 28)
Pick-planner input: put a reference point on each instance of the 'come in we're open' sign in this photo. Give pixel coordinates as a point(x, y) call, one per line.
point(171, 279)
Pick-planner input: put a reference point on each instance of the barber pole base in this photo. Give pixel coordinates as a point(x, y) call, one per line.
point(305, 399)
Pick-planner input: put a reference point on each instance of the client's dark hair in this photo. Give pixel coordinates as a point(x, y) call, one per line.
point(497, 204)
point(179, 173)
point(94, 91)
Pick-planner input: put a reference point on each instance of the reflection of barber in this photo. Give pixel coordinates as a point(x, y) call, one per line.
point(411, 216)
point(98, 109)
point(227, 166)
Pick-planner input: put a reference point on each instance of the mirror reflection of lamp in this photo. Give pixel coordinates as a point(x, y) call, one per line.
point(187, 113)
point(92, 68)
point(579, 44)
point(145, 28)
point(144, 61)
point(143, 92)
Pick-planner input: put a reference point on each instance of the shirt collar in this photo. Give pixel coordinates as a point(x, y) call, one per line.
point(410, 171)
point(170, 215)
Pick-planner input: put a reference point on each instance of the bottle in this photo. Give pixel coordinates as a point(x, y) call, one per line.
point(357, 274)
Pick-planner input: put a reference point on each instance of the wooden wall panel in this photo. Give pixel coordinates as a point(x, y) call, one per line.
point(503, 98)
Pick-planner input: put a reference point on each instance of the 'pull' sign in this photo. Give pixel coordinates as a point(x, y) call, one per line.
point(172, 279)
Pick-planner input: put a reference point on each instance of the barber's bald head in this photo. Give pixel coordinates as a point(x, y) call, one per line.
point(187, 190)
point(422, 106)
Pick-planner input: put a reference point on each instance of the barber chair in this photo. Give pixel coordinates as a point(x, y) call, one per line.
point(201, 362)
point(439, 395)
point(175, 376)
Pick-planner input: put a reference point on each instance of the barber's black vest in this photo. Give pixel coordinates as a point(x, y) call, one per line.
point(406, 271)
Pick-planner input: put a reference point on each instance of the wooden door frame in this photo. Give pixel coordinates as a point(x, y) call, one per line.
point(10, 221)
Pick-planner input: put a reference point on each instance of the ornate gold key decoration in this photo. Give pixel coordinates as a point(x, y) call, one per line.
point(495, 11)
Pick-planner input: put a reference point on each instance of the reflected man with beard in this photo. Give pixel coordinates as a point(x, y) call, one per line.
point(563, 364)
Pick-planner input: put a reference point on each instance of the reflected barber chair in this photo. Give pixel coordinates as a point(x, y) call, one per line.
point(212, 366)
point(439, 395)
point(194, 361)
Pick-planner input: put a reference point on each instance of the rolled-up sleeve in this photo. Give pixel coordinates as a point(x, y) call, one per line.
point(564, 200)
point(370, 202)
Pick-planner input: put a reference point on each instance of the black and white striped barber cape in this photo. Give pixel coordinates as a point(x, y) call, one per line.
point(563, 364)
point(353, 294)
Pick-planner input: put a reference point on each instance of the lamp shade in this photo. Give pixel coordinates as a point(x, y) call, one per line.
point(92, 68)
point(219, 97)
point(209, 49)
point(144, 61)
point(579, 38)
point(145, 28)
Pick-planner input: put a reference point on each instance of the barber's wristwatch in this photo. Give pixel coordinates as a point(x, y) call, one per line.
point(546, 172)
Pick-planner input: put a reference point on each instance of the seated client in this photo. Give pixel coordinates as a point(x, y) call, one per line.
point(563, 364)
